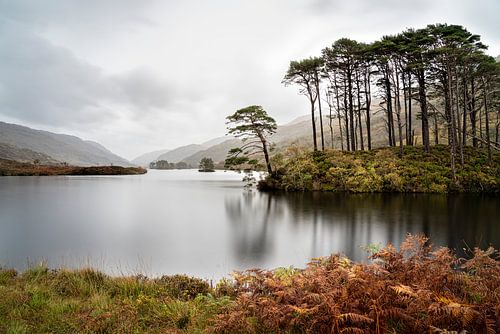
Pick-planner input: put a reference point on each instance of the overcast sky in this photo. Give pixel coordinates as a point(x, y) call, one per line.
point(142, 75)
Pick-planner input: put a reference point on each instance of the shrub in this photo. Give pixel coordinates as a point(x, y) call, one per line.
point(184, 287)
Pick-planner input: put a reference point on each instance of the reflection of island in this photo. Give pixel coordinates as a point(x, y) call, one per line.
point(262, 224)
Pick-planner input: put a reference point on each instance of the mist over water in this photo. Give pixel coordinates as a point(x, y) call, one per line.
point(207, 225)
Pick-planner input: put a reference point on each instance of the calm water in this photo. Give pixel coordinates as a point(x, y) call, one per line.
point(205, 224)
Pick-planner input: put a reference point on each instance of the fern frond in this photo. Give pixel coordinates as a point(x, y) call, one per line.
point(354, 318)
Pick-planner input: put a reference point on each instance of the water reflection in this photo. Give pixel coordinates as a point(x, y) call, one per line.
point(250, 216)
point(343, 223)
point(205, 224)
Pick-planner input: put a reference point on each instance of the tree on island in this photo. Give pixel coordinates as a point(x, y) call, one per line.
point(206, 165)
point(253, 126)
point(307, 74)
point(164, 164)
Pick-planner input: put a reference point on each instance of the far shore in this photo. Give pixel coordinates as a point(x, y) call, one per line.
point(14, 168)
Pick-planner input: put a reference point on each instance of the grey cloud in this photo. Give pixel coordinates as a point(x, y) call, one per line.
point(45, 83)
point(142, 88)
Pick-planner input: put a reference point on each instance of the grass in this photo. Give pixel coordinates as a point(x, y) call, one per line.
point(412, 290)
point(383, 170)
point(14, 168)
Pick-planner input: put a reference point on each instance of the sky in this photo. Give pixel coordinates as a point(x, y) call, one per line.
point(144, 75)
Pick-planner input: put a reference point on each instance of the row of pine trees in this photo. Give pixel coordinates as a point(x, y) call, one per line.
point(442, 71)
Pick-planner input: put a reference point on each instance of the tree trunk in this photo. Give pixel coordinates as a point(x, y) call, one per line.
point(487, 128)
point(464, 119)
point(398, 113)
point(459, 122)
point(318, 96)
point(405, 94)
point(266, 155)
point(473, 113)
point(410, 127)
point(338, 111)
point(423, 108)
point(390, 121)
point(346, 116)
point(436, 130)
point(312, 99)
point(451, 128)
point(358, 93)
point(330, 118)
point(368, 105)
point(351, 109)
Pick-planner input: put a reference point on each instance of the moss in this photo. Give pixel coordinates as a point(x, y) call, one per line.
point(382, 170)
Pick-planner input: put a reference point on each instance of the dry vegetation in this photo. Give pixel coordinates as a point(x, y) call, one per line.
point(14, 168)
point(415, 289)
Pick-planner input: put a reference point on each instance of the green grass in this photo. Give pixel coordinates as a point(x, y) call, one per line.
point(383, 170)
point(41, 300)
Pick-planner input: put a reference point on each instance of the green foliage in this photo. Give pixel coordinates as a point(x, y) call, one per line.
point(382, 170)
point(206, 165)
point(184, 287)
point(253, 126)
point(164, 164)
point(87, 301)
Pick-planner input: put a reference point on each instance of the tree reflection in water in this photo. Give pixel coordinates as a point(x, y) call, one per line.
point(265, 226)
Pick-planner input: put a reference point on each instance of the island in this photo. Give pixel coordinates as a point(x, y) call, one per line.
point(14, 168)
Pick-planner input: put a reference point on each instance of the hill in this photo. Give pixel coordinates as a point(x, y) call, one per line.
point(217, 152)
point(11, 152)
point(60, 147)
point(180, 153)
point(144, 159)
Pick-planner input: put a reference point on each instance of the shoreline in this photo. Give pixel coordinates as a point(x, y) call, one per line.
point(14, 168)
point(414, 289)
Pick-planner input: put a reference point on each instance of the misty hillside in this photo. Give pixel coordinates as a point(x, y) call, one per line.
point(216, 141)
point(60, 147)
point(217, 152)
point(144, 159)
point(180, 153)
point(11, 152)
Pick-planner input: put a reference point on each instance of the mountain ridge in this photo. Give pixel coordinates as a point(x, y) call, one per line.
point(60, 147)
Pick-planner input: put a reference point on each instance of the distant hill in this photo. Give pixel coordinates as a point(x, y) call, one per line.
point(217, 152)
point(11, 152)
point(216, 141)
point(180, 153)
point(144, 159)
point(60, 147)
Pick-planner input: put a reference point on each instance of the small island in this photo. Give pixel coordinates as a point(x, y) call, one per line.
point(206, 165)
point(14, 168)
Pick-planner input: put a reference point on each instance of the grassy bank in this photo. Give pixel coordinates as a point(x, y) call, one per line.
point(412, 290)
point(383, 170)
point(14, 168)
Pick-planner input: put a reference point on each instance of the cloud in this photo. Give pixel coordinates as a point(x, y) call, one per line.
point(45, 83)
point(143, 89)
